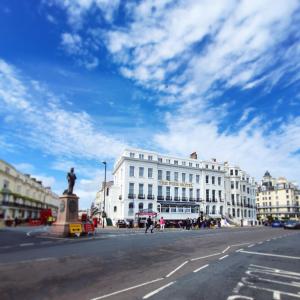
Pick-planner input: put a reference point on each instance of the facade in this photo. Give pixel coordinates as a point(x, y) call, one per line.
point(277, 198)
point(176, 189)
point(23, 196)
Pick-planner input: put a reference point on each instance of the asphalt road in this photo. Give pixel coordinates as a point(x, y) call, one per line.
point(237, 263)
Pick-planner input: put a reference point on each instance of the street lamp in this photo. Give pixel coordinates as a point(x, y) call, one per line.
point(104, 188)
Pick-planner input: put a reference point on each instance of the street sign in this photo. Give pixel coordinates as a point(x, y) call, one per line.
point(75, 228)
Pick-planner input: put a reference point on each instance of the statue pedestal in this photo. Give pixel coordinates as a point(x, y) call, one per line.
point(67, 214)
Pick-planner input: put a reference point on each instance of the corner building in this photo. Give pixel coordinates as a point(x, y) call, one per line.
point(175, 188)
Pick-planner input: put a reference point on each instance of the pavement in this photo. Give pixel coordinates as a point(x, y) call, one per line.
point(227, 263)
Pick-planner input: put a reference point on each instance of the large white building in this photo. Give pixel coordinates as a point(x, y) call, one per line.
point(22, 195)
point(177, 188)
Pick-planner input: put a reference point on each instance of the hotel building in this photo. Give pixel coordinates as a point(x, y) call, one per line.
point(177, 188)
point(277, 198)
point(23, 196)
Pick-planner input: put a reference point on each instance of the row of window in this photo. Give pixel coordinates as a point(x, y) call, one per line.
point(175, 177)
point(237, 186)
point(175, 162)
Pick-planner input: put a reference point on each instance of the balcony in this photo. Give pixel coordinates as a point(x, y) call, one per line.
point(169, 198)
point(150, 197)
point(208, 200)
point(184, 198)
point(160, 198)
point(198, 199)
point(192, 199)
point(176, 198)
point(141, 196)
point(131, 196)
point(214, 200)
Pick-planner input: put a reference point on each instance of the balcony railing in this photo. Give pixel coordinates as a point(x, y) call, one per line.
point(184, 198)
point(176, 198)
point(150, 197)
point(198, 199)
point(192, 199)
point(141, 196)
point(14, 204)
point(160, 198)
point(168, 198)
point(131, 196)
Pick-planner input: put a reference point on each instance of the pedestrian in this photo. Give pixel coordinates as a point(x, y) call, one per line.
point(16, 221)
point(149, 224)
point(162, 224)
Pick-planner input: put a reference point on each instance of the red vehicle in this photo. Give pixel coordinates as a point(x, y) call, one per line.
point(46, 216)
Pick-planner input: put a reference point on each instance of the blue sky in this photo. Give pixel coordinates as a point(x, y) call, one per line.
point(82, 79)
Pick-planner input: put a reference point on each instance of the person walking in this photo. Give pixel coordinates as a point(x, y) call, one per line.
point(162, 224)
point(149, 224)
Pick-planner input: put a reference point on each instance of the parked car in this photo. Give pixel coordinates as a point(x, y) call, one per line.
point(292, 224)
point(122, 224)
point(276, 224)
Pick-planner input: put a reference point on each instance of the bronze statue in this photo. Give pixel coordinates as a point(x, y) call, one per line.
point(71, 177)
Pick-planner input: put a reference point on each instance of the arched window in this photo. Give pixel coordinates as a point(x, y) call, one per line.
point(141, 206)
point(115, 209)
point(150, 207)
point(207, 209)
point(131, 205)
point(130, 210)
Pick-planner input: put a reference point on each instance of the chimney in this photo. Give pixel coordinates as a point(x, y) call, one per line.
point(214, 159)
point(194, 155)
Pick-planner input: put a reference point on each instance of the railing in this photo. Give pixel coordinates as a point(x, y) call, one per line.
point(13, 204)
point(168, 198)
point(198, 199)
point(176, 198)
point(131, 196)
point(150, 197)
point(192, 199)
point(184, 198)
point(141, 196)
point(160, 198)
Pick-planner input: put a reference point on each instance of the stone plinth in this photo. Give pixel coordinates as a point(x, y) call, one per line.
point(67, 214)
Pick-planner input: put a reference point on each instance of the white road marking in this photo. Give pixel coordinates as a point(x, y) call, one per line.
point(201, 257)
point(239, 250)
point(223, 257)
point(203, 267)
point(272, 291)
point(270, 254)
point(239, 244)
point(158, 290)
point(251, 245)
point(268, 240)
point(171, 273)
point(44, 259)
point(226, 249)
point(276, 295)
point(238, 287)
point(128, 289)
point(259, 243)
point(26, 244)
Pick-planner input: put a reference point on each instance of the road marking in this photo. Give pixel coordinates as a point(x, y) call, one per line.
point(26, 244)
point(226, 249)
point(223, 257)
point(239, 250)
point(158, 290)
point(171, 273)
point(201, 257)
point(203, 267)
point(239, 244)
point(269, 254)
point(259, 243)
point(268, 240)
point(128, 289)
point(251, 245)
point(44, 259)
point(274, 291)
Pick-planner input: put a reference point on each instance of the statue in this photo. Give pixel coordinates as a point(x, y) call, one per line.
point(71, 177)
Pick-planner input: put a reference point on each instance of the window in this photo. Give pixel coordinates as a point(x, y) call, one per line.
point(183, 163)
point(190, 178)
point(176, 191)
point(176, 176)
point(130, 206)
point(131, 154)
point(231, 172)
point(207, 195)
point(183, 193)
point(190, 164)
point(232, 184)
point(236, 185)
point(213, 179)
point(168, 161)
point(141, 171)
point(5, 184)
point(176, 162)
point(159, 190)
point(141, 189)
point(159, 175)
point(219, 180)
point(220, 195)
point(150, 157)
point(207, 179)
point(219, 168)
point(244, 188)
point(141, 206)
point(168, 175)
point(248, 190)
point(141, 156)
point(150, 172)
point(236, 173)
point(213, 167)
point(168, 191)
point(160, 159)
point(198, 194)
point(131, 188)
point(131, 171)
point(191, 193)
point(197, 165)
point(150, 207)
point(115, 209)
point(150, 188)
point(183, 177)
point(213, 195)
point(197, 178)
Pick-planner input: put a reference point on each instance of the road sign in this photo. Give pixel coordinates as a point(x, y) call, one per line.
point(75, 228)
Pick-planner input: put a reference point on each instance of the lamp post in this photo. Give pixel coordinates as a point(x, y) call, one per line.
point(104, 188)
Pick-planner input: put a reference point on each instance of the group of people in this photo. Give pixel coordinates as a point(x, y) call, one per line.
point(150, 224)
point(199, 223)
